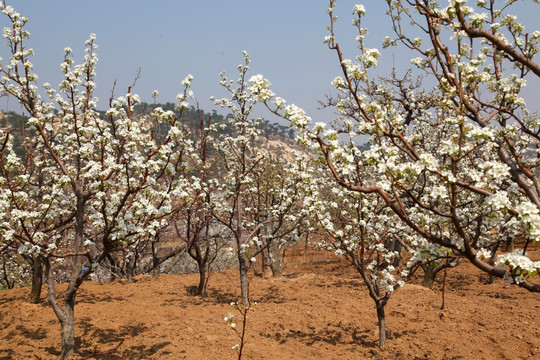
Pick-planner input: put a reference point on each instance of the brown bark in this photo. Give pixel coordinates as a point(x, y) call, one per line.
point(276, 270)
point(510, 245)
point(382, 323)
point(67, 329)
point(155, 258)
point(65, 312)
point(429, 275)
point(36, 265)
point(130, 278)
point(244, 286)
point(273, 260)
point(201, 288)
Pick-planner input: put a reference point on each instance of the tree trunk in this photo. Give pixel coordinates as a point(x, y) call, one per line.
point(306, 248)
point(444, 289)
point(64, 312)
point(273, 261)
point(155, 258)
point(5, 281)
point(393, 245)
point(201, 289)
point(429, 275)
point(276, 270)
point(510, 244)
point(275, 266)
point(244, 286)
point(67, 328)
point(264, 261)
point(130, 278)
point(129, 266)
point(114, 269)
point(36, 265)
point(492, 261)
point(382, 324)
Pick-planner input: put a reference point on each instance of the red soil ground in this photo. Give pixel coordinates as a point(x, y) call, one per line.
point(321, 310)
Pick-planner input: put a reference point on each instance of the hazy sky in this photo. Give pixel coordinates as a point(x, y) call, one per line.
point(169, 39)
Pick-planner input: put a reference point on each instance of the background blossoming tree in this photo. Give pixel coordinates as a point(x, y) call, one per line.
point(204, 237)
point(235, 201)
point(284, 195)
point(241, 202)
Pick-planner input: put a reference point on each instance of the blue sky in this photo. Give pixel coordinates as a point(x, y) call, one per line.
point(169, 39)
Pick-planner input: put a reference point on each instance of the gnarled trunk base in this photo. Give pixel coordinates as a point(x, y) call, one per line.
point(67, 329)
point(37, 279)
point(382, 324)
point(203, 279)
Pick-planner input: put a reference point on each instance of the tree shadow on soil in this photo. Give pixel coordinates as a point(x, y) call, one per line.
point(272, 295)
point(99, 339)
point(172, 298)
point(34, 334)
point(7, 354)
point(390, 335)
point(55, 351)
point(133, 352)
point(105, 336)
point(332, 334)
point(90, 298)
point(8, 298)
point(460, 282)
point(105, 340)
point(354, 283)
point(497, 295)
point(292, 275)
point(21, 331)
point(222, 296)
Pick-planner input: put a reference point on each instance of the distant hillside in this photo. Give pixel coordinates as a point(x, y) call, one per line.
point(192, 114)
point(13, 123)
point(273, 133)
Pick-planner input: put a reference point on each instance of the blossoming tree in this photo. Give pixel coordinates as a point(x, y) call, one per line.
point(258, 211)
point(90, 186)
point(363, 229)
point(482, 79)
point(234, 205)
point(204, 237)
point(456, 162)
point(242, 207)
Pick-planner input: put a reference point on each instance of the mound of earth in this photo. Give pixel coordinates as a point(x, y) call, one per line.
point(320, 310)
